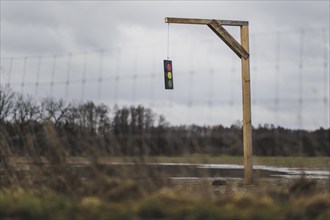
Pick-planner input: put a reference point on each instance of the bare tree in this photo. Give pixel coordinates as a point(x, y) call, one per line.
point(103, 122)
point(7, 97)
point(25, 110)
point(87, 117)
point(54, 110)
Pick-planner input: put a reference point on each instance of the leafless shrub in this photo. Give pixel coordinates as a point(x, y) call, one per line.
point(302, 186)
point(7, 97)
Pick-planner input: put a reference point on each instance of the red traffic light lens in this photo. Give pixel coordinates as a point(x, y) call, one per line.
point(169, 67)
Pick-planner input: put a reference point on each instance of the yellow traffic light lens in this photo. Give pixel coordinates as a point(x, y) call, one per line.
point(169, 75)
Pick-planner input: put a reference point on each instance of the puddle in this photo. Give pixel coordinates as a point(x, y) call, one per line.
point(187, 170)
point(282, 172)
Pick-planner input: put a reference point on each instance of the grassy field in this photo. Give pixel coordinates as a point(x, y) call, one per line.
point(57, 191)
point(171, 202)
point(299, 162)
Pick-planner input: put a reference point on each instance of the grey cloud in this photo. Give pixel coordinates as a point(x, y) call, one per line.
point(31, 13)
point(139, 31)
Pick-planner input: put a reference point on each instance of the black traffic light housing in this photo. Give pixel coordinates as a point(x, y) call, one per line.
point(168, 74)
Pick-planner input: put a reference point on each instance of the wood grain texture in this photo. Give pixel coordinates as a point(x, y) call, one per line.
point(205, 21)
point(242, 50)
point(247, 121)
point(228, 39)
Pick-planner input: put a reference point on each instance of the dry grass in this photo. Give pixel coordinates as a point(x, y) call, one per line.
point(171, 202)
point(55, 186)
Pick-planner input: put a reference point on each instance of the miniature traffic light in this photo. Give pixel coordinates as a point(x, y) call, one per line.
point(168, 74)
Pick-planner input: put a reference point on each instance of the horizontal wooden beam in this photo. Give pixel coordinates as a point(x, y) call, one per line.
point(228, 39)
point(205, 21)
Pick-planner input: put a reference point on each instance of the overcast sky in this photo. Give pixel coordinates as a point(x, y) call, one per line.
point(111, 40)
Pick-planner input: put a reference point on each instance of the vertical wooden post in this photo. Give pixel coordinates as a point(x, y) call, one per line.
point(246, 95)
point(242, 50)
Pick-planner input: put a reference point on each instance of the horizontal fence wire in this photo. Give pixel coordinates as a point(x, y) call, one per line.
point(289, 88)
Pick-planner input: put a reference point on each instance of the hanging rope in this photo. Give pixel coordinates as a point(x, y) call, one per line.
point(168, 41)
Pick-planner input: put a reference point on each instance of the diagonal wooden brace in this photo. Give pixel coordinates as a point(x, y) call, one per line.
point(242, 50)
point(228, 39)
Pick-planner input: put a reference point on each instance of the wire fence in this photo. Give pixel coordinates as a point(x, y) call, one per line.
point(289, 73)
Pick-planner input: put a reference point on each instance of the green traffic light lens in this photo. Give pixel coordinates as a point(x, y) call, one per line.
point(169, 83)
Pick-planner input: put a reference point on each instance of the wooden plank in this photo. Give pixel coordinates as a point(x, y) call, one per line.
point(228, 39)
point(247, 133)
point(233, 23)
point(205, 21)
point(242, 50)
point(187, 21)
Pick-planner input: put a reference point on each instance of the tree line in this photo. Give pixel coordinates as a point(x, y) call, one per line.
point(31, 127)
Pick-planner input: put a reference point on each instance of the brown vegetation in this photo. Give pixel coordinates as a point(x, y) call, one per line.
point(40, 180)
point(87, 128)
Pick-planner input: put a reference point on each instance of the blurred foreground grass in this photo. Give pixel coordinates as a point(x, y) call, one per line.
point(53, 189)
point(173, 202)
